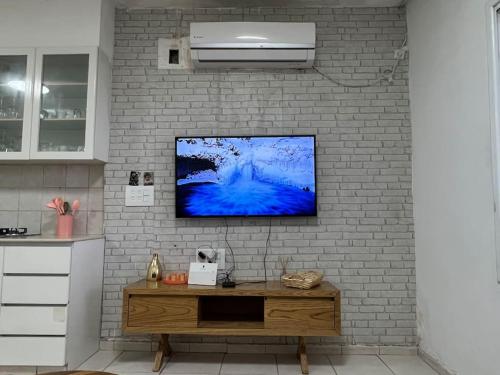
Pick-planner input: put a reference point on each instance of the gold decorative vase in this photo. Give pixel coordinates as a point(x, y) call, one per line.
point(154, 269)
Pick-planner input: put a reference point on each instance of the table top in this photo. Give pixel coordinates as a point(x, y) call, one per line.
point(78, 373)
point(269, 288)
point(47, 239)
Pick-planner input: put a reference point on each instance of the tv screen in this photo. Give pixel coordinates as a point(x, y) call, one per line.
point(245, 176)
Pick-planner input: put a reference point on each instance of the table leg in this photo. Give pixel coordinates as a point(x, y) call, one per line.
point(302, 356)
point(164, 350)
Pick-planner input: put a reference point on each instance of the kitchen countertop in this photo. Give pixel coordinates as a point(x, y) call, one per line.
point(49, 239)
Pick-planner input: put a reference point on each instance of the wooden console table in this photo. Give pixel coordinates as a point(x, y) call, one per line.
point(265, 309)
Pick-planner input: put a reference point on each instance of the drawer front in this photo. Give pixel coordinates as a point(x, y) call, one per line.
point(1, 270)
point(33, 320)
point(41, 290)
point(37, 259)
point(162, 311)
point(299, 313)
point(32, 351)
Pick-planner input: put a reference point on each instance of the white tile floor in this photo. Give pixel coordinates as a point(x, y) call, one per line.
point(140, 363)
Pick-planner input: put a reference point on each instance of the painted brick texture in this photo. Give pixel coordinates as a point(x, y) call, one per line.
point(363, 236)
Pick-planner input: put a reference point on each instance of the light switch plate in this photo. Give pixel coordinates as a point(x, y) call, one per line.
point(137, 196)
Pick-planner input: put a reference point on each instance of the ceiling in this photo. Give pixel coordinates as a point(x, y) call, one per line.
point(189, 4)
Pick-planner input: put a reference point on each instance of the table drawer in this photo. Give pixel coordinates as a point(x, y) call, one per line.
point(41, 290)
point(32, 351)
point(299, 313)
point(163, 311)
point(37, 259)
point(33, 320)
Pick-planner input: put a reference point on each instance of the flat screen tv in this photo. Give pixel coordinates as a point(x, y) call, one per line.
point(245, 176)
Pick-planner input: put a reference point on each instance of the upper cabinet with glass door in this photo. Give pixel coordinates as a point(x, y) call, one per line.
point(63, 103)
point(54, 104)
point(70, 116)
point(16, 74)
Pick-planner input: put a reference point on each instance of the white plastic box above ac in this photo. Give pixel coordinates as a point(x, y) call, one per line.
point(252, 44)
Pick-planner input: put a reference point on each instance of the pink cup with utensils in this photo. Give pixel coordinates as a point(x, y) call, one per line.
point(64, 226)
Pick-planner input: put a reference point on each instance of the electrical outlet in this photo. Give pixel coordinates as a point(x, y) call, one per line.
point(400, 53)
point(220, 259)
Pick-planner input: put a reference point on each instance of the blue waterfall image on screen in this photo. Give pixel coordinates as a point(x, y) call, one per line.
point(249, 176)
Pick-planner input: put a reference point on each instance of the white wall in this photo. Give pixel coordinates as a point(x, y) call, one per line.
point(50, 23)
point(458, 298)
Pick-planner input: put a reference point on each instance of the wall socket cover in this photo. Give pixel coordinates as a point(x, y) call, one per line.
point(221, 257)
point(174, 53)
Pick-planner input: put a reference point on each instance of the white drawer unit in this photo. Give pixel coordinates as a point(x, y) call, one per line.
point(33, 320)
point(33, 351)
point(41, 290)
point(37, 259)
point(50, 302)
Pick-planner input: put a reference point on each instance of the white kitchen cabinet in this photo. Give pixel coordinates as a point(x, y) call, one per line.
point(17, 67)
point(71, 104)
point(34, 320)
point(33, 289)
point(45, 351)
point(67, 98)
point(37, 260)
point(50, 297)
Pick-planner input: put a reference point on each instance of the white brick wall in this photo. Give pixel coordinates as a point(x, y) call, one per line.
point(363, 236)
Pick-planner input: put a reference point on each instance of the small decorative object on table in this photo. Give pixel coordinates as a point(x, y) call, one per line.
point(284, 264)
point(65, 215)
point(176, 278)
point(302, 280)
point(154, 269)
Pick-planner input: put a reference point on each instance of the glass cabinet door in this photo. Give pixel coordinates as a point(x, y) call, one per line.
point(15, 103)
point(63, 103)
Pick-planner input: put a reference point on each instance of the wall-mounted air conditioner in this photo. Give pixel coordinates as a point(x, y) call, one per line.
point(252, 44)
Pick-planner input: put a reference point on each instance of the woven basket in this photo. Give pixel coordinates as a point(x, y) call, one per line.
point(302, 280)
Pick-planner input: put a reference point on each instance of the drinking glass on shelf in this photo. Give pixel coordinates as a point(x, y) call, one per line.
point(3, 113)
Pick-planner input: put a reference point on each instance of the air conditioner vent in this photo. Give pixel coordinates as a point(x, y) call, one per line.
point(252, 44)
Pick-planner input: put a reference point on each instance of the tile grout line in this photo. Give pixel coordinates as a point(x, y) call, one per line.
point(80, 365)
point(114, 360)
point(386, 365)
point(331, 364)
point(221, 362)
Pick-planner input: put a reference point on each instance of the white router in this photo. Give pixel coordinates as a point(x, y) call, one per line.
point(202, 274)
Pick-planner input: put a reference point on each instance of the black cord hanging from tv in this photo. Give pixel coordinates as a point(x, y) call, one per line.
point(267, 247)
point(228, 282)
